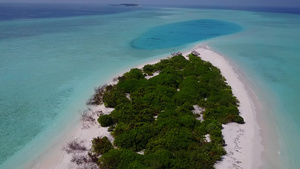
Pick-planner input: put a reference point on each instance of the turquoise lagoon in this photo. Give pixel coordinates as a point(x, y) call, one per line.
point(50, 66)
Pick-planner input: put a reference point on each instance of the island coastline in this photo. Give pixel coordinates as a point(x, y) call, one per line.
point(243, 141)
point(240, 138)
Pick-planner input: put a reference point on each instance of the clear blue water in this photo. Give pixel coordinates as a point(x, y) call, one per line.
point(50, 64)
point(269, 52)
point(181, 33)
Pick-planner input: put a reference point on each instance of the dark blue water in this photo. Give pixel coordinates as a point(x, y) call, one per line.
point(11, 11)
point(269, 9)
point(181, 33)
point(290, 10)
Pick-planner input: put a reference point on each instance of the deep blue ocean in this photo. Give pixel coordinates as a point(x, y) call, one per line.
point(53, 56)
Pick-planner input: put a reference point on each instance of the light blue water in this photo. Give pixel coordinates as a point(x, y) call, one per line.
point(49, 68)
point(269, 52)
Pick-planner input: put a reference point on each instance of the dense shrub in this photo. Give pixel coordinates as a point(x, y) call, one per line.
point(101, 145)
point(105, 120)
point(149, 69)
point(135, 139)
point(134, 74)
point(130, 85)
point(159, 159)
point(158, 120)
point(120, 159)
point(113, 97)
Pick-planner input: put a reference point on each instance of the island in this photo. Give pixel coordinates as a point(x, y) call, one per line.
point(166, 115)
point(134, 5)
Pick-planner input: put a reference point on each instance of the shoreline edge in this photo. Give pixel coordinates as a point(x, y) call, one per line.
point(243, 141)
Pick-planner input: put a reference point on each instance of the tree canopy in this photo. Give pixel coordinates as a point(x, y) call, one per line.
point(158, 117)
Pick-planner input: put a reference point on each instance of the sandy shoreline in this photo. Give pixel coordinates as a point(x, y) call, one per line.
point(243, 141)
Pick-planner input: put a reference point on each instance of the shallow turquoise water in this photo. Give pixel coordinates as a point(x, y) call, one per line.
point(50, 67)
point(269, 52)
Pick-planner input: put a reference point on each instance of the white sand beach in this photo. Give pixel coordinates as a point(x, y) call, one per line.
point(243, 140)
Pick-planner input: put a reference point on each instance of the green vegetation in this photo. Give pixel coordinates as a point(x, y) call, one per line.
point(157, 117)
point(101, 145)
point(106, 120)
